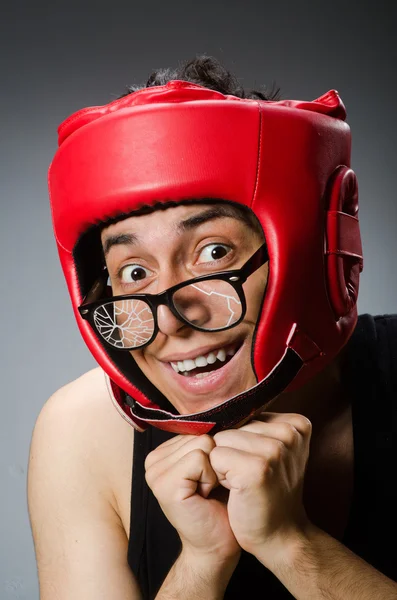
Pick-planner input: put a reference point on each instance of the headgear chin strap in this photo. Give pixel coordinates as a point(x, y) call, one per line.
point(288, 161)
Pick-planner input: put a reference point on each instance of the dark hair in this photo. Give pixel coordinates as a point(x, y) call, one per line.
point(209, 72)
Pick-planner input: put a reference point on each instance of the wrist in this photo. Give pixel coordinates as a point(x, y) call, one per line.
point(280, 555)
point(213, 567)
point(197, 576)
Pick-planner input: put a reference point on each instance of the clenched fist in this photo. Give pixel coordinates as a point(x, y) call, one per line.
point(263, 465)
point(181, 477)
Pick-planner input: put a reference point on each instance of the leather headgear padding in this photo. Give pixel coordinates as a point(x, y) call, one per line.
point(344, 250)
point(182, 142)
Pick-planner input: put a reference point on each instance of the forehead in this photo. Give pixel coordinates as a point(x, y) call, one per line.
point(171, 216)
point(173, 220)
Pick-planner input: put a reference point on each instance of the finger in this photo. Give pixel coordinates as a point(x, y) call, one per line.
point(164, 449)
point(174, 439)
point(300, 422)
point(167, 448)
point(192, 473)
point(258, 439)
point(166, 458)
point(236, 469)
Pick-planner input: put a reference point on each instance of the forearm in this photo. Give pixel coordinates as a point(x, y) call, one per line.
point(318, 567)
point(197, 579)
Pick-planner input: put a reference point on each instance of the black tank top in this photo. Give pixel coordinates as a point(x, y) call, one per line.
point(370, 376)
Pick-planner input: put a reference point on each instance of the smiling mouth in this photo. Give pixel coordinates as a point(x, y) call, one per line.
point(204, 365)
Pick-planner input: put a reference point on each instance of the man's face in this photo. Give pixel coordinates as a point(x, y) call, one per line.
point(150, 253)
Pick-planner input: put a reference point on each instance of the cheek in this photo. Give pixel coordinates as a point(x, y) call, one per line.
point(144, 364)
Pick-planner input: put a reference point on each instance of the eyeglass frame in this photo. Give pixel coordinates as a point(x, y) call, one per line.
point(235, 277)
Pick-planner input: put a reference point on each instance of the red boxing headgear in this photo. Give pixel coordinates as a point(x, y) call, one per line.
point(288, 161)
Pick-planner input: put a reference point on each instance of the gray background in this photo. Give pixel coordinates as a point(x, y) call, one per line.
point(57, 57)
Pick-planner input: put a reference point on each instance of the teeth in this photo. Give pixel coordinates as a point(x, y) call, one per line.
point(211, 358)
point(184, 366)
point(201, 375)
point(201, 361)
point(221, 355)
point(189, 364)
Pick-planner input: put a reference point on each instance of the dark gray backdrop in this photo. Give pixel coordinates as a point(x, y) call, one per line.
point(57, 57)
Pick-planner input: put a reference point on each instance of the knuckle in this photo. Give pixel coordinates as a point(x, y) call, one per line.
point(216, 453)
point(206, 443)
point(277, 451)
point(260, 471)
point(290, 435)
point(221, 435)
point(223, 440)
point(149, 460)
point(301, 423)
point(305, 425)
point(195, 455)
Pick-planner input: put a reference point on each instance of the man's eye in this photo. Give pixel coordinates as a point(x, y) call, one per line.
point(213, 252)
point(132, 273)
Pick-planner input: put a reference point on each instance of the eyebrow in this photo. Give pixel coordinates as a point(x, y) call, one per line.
point(210, 214)
point(216, 212)
point(126, 239)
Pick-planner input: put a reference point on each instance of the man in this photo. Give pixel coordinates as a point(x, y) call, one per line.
point(221, 311)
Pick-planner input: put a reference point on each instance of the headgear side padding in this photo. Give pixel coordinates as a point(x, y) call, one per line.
point(344, 261)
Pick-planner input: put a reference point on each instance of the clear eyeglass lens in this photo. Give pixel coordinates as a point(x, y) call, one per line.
point(212, 304)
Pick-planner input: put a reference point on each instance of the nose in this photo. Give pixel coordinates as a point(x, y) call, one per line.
point(167, 322)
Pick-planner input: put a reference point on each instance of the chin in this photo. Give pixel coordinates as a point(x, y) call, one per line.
point(200, 403)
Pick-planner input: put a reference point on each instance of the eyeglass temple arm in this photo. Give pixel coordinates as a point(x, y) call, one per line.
point(97, 289)
point(259, 258)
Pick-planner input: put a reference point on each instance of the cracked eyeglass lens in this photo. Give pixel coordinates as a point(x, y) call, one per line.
point(210, 305)
point(125, 323)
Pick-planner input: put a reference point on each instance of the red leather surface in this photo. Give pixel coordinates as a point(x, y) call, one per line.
point(113, 165)
point(329, 103)
point(183, 427)
point(344, 260)
point(289, 161)
point(303, 345)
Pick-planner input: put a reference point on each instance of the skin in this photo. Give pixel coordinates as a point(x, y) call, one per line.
point(167, 257)
point(246, 488)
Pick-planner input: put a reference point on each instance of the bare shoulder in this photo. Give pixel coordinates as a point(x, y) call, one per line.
point(79, 469)
point(103, 437)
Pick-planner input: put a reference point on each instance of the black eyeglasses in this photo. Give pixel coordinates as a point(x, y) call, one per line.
point(207, 303)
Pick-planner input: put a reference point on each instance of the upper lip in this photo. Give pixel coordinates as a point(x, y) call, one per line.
point(196, 352)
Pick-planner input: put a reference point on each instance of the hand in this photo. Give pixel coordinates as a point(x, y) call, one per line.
point(180, 475)
point(263, 465)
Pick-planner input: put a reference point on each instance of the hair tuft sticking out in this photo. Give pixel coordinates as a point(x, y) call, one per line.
point(209, 72)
